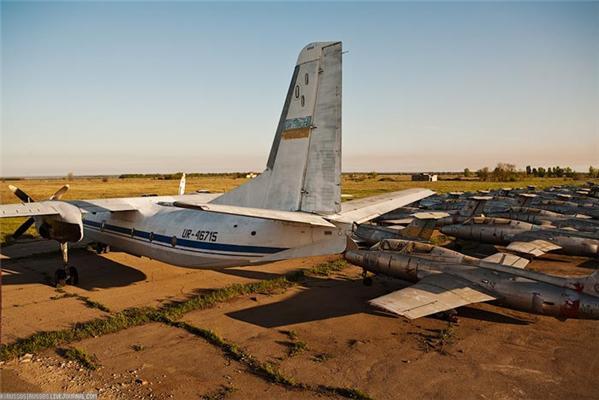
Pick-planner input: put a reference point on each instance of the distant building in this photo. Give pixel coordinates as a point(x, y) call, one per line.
point(251, 175)
point(424, 177)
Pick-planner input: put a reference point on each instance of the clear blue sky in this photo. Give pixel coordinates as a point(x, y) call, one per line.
point(156, 87)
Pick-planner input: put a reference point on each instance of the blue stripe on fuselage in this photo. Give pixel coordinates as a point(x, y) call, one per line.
point(234, 248)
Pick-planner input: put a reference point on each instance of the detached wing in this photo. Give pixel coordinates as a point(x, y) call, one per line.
point(363, 210)
point(27, 210)
point(433, 294)
point(536, 247)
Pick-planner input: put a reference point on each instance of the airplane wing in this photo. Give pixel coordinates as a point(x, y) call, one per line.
point(275, 215)
point(536, 247)
point(363, 210)
point(27, 210)
point(433, 294)
point(507, 259)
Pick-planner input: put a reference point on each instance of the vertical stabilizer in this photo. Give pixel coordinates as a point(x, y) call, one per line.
point(303, 172)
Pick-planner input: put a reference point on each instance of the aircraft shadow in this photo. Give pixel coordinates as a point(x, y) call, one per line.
point(95, 272)
point(318, 300)
point(490, 316)
point(242, 272)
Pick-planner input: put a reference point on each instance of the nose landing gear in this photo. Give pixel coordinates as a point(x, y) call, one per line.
point(67, 275)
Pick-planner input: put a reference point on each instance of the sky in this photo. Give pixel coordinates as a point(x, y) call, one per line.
point(124, 87)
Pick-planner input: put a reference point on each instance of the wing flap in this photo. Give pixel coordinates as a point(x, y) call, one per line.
point(363, 210)
point(433, 294)
point(26, 210)
point(275, 215)
point(536, 247)
point(507, 259)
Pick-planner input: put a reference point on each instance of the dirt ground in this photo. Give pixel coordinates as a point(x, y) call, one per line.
point(319, 333)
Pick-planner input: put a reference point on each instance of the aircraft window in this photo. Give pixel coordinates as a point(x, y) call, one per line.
point(253, 233)
point(306, 78)
point(174, 241)
point(303, 101)
point(296, 91)
point(328, 232)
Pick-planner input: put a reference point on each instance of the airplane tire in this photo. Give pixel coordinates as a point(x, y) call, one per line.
point(367, 281)
point(74, 276)
point(60, 277)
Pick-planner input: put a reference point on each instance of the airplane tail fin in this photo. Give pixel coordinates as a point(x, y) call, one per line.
point(182, 185)
point(475, 206)
point(419, 229)
point(303, 172)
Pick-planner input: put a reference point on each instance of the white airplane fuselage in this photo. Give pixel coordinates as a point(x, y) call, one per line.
point(193, 238)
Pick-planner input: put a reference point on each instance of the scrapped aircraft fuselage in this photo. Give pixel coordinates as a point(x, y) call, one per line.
point(512, 290)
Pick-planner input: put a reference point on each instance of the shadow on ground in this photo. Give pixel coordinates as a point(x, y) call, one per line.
point(95, 272)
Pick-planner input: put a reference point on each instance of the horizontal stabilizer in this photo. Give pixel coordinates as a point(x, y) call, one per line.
point(363, 210)
point(433, 294)
point(507, 259)
point(535, 247)
point(274, 215)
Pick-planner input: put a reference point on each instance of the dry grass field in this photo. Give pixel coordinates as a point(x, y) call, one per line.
point(355, 184)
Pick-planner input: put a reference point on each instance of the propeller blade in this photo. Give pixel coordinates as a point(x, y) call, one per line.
point(24, 197)
point(21, 229)
point(59, 193)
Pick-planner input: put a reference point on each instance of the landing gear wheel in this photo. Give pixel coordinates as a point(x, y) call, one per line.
point(60, 277)
point(73, 278)
point(367, 281)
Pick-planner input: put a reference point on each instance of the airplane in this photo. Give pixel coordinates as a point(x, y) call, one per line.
point(292, 209)
point(549, 218)
point(445, 280)
point(420, 228)
point(524, 237)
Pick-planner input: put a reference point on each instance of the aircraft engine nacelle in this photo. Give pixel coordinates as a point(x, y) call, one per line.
point(67, 226)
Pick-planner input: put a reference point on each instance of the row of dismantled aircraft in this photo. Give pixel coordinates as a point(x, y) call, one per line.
point(447, 279)
point(293, 209)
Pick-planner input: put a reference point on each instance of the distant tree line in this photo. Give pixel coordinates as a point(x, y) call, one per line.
point(178, 175)
point(505, 172)
point(555, 172)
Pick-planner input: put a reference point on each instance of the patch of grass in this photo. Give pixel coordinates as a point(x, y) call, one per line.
point(137, 347)
point(268, 371)
point(86, 360)
point(201, 302)
point(439, 341)
point(220, 394)
point(63, 296)
point(265, 370)
point(291, 334)
point(321, 357)
point(96, 327)
point(349, 393)
point(327, 268)
point(296, 348)
point(94, 304)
